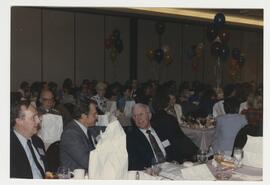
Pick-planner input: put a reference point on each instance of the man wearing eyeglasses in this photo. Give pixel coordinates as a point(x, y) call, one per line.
point(27, 153)
point(47, 103)
point(145, 146)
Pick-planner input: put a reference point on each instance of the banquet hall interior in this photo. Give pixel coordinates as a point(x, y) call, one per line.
point(198, 66)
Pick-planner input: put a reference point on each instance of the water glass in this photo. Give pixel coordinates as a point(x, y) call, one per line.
point(63, 173)
point(238, 155)
point(202, 156)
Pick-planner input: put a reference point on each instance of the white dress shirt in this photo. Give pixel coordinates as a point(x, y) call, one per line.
point(153, 132)
point(35, 171)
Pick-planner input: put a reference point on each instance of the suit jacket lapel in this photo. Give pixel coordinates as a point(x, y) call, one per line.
point(78, 128)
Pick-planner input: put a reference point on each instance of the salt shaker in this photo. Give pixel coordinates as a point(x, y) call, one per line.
point(137, 177)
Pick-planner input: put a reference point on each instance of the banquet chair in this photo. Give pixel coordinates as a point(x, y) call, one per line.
point(52, 155)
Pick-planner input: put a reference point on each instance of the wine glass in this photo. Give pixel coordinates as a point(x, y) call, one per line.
point(202, 156)
point(238, 155)
point(63, 173)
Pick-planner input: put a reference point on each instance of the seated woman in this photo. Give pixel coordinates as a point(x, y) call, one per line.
point(228, 125)
point(174, 108)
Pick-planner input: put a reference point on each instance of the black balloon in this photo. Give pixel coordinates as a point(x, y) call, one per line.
point(219, 19)
point(216, 49)
point(116, 33)
point(224, 35)
point(236, 53)
point(119, 45)
point(159, 53)
point(160, 27)
point(224, 51)
point(211, 32)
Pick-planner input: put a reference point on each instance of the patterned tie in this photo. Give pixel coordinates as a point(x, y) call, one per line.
point(157, 150)
point(35, 158)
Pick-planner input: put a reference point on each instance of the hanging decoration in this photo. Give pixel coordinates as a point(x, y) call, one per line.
point(219, 36)
point(195, 53)
point(162, 55)
point(115, 44)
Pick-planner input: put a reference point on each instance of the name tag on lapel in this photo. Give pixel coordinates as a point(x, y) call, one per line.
point(41, 151)
point(166, 143)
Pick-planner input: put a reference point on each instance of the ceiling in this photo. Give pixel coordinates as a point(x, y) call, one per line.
point(252, 18)
point(249, 18)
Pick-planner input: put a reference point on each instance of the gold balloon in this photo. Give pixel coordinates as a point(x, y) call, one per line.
point(168, 59)
point(150, 54)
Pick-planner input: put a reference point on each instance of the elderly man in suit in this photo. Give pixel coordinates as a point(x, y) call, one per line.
point(76, 142)
point(27, 154)
point(155, 142)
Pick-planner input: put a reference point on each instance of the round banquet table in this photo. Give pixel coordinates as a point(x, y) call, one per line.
point(201, 137)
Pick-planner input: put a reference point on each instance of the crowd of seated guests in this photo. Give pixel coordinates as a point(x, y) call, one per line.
point(165, 103)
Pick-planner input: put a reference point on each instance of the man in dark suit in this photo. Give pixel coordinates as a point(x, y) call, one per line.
point(76, 142)
point(170, 140)
point(27, 154)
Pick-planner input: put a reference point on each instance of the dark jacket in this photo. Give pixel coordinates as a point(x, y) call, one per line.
point(140, 154)
point(19, 164)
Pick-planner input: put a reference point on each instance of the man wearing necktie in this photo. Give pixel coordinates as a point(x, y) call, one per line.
point(76, 142)
point(145, 146)
point(27, 154)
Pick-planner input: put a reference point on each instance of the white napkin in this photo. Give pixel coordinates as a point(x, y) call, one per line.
point(110, 159)
point(198, 172)
point(170, 171)
point(51, 128)
point(253, 152)
point(142, 176)
point(103, 120)
point(128, 107)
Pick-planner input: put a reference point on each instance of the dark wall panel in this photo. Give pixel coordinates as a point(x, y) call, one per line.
point(25, 46)
point(58, 40)
point(89, 47)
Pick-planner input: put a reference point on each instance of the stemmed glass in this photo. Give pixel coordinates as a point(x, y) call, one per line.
point(155, 167)
point(202, 156)
point(238, 155)
point(63, 173)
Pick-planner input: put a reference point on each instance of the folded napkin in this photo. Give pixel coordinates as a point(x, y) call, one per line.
point(102, 120)
point(51, 128)
point(198, 172)
point(170, 171)
point(253, 152)
point(110, 159)
point(128, 108)
point(142, 176)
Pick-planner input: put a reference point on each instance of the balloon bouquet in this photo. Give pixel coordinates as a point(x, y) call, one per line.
point(115, 44)
point(162, 53)
point(219, 36)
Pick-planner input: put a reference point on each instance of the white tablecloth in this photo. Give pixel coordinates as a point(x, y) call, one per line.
point(201, 137)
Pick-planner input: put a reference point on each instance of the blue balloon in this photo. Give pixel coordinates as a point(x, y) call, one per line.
point(219, 20)
point(159, 53)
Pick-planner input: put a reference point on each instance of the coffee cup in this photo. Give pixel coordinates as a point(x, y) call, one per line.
point(78, 173)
